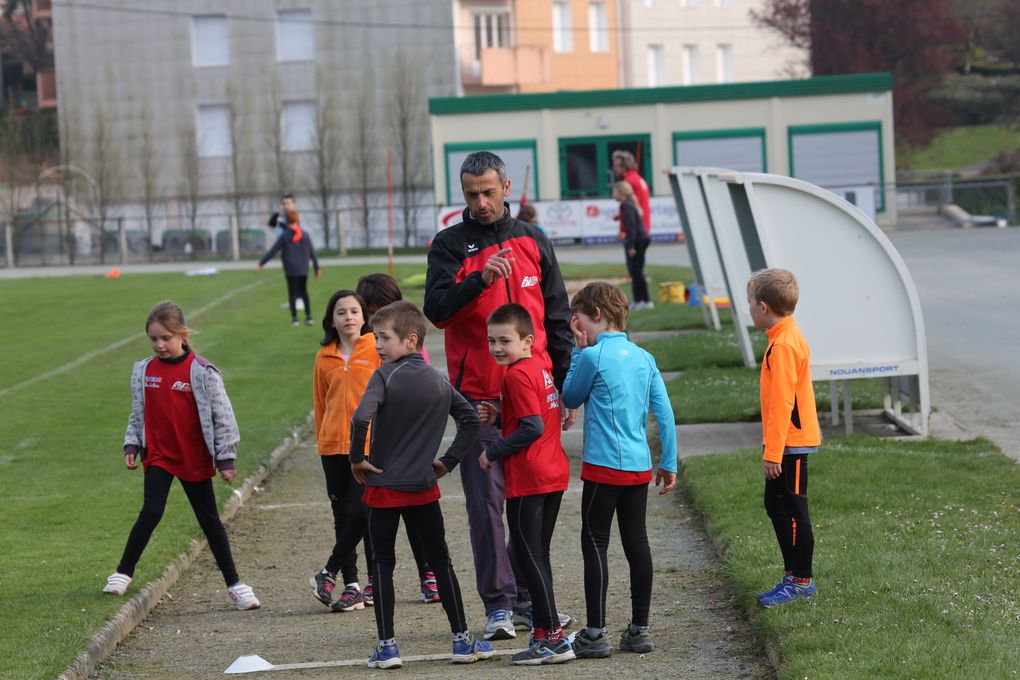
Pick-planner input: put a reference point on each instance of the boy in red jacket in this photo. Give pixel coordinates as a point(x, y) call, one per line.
point(535, 471)
point(789, 428)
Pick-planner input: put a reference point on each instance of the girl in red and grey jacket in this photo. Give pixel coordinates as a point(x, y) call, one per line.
point(181, 425)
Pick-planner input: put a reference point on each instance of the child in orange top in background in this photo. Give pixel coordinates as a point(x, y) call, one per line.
point(789, 428)
point(535, 471)
point(342, 369)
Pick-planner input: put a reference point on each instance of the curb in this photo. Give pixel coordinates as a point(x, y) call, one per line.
point(105, 641)
point(771, 653)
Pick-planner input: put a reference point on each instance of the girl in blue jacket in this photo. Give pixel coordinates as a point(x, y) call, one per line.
point(617, 382)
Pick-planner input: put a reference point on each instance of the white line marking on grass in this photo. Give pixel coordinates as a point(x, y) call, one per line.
point(88, 356)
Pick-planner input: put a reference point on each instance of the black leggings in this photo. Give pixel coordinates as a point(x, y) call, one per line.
point(636, 269)
point(786, 503)
point(599, 502)
point(350, 516)
point(531, 520)
point(427, 522)
point(203, 502)
point(297, 287)
point(350, 519)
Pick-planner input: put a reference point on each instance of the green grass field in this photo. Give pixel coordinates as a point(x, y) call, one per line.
point(915, 558)
point(963, 146)
point(66, 501)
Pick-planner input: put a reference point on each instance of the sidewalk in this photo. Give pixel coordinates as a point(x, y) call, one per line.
point(282, 536)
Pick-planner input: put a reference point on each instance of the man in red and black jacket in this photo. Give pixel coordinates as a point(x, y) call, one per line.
point(485, 261)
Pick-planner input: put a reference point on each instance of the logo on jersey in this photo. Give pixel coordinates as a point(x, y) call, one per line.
point(152, 382)
point(548, 379)
point(529, 281)
point(472, 248)
point(181, 386)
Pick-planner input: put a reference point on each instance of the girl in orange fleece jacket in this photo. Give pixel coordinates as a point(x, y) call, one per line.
point(342, 369)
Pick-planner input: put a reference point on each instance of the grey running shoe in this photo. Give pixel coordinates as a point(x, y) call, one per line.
point(588, 648)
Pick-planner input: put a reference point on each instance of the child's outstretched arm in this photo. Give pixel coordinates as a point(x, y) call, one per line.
point(529, 430)
point(658, 399)
point(362, 418)
point(466, 418)
point(580, 377)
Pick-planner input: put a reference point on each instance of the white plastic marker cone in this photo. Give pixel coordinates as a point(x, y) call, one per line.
point(249, 664)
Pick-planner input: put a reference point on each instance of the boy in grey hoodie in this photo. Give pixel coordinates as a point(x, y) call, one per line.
point(407, 403)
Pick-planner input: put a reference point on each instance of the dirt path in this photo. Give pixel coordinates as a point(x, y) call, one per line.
point(282, 536)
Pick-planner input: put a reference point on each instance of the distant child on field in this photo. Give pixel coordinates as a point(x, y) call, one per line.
point(617, 382)
point(342, 369)
point(789, 428)
point(379, 290)
point(535, 471)
point(407, 403)
point(181, 425)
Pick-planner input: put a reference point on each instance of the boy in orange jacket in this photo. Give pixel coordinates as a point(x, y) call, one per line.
point(789, 428)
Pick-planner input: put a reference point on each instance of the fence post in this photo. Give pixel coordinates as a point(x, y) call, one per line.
point(122, 240)
point(235, 239)
point(1011, 200)
point(341, 242)
point(9, 244)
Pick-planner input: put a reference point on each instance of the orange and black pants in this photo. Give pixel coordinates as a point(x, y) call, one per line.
point(786, 502)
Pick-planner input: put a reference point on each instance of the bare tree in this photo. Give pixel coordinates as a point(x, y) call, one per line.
point(70, 150)
point(364, 153)
point(11, 175)
point(105, 172)
point(149, 167)
point(407, 126)
point(241, 166)
point(279, 171)
point(190, 186)
point(326, 159)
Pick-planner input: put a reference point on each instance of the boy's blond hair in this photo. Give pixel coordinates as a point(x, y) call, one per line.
point(404, 318)
point(777, 288)
point(604, 296)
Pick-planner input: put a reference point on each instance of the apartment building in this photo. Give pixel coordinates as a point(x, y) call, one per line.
point(700, 42)
point(519, 46)
point(243, 95)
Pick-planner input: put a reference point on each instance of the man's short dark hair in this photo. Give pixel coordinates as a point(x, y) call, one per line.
point(287, 195)
point(480, 162)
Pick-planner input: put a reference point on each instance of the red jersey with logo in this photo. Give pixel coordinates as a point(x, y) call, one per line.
point(173, 432)
point(542, 467)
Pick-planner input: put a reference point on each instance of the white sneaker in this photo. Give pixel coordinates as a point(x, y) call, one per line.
point(500, 625)
point(243, 597)
point(117, 583)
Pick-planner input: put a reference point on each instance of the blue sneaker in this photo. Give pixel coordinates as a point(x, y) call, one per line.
point(541, 652)
point(385, 656)
point(471, 650)
point(789, 593)
point(787, 580)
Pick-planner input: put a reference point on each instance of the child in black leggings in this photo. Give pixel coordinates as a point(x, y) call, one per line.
point(535, 471)
point(617, 382)
point(407, 402)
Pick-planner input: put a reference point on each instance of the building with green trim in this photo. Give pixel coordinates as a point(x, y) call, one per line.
point(833, 131)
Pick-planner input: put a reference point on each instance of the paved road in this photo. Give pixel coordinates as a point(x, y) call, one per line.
point(966, 279)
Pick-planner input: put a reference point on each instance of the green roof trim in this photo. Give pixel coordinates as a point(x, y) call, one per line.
point(581, 99)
